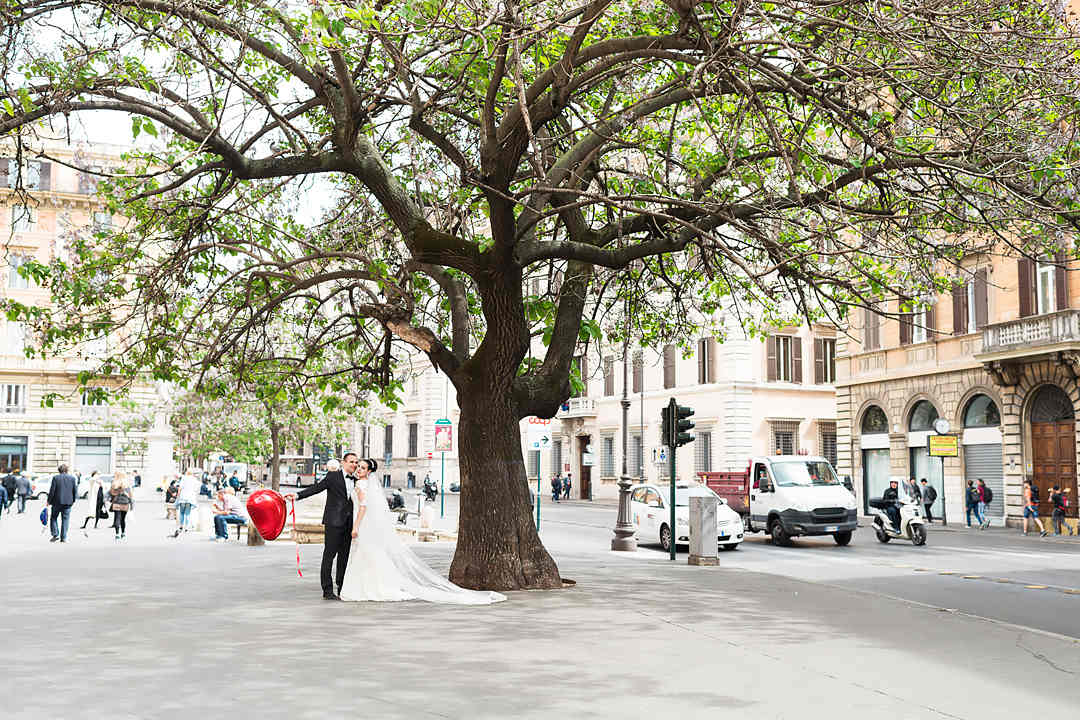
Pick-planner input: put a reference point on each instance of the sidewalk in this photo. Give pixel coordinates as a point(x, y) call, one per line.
point(193, 627)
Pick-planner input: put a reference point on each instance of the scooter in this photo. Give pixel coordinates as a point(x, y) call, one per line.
point(431, 490)
point(912, 525)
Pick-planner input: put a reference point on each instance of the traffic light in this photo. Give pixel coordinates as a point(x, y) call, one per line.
point(682, 425)
point(665, 425)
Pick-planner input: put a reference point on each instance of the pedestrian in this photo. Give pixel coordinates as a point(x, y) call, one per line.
point(986, 496)
point(568, 483)
point(121, 503)
point(138, 478)
point(22, 490)
point(1031, 507)
point(234, 483)
point(929, 495)
point(62, 493)
point(96, 495)
point(1060, 501)
point(913, 491)
point(3, 499)
point(971, 503)
point(186, 499)
point(204, 490)
point(9, 484)
point(556, 488)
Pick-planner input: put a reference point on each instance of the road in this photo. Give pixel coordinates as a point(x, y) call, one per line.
point(996, 574)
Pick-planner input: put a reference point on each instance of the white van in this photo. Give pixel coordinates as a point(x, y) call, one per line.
point(793, 495)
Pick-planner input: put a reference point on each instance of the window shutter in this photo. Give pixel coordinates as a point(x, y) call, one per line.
point(638, 363)
point(1025, 272)
point(701, 378)
point(982, 307)
point(669, 366)
point(45, 176)
point(1061, 282)
point(871, 323)
point(796, 359)
point(4, 179)
point(770, 359)
point(905, 328)
point(609, 376)
point(930, 321)
point(959, 310)
point(819, 361)
point(711, 368)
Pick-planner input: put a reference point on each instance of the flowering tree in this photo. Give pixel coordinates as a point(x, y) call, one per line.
point(492, 174)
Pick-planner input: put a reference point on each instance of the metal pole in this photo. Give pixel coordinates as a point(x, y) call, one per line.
point(624, 529)
point(538, 503)
point(671, 465)
point(442, 486)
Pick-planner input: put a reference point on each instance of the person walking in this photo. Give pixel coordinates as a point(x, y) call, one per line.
point(929, 495)
point(568, 483)
point(556, 488)
point(121, 503)
point(96, 495)
point(986, 496)
point(22, 490)
point(1031, 507)
point(186, 499)
point(971, 503)
point(1060, 501)
point(62, 493)
point(4, 502)
point(9, 483)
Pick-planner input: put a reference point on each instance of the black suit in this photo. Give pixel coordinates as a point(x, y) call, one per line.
point(337, 521)
point(62, 494)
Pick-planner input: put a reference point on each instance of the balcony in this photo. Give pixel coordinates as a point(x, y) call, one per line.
point(578, 408)
point(1035, 335)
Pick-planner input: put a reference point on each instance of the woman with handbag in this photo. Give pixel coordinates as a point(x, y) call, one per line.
point(97, 495)
point(121, 503)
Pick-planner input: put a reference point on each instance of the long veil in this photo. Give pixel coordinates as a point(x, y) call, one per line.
point(417, 579)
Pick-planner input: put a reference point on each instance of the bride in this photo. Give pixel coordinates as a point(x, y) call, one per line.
point(382, 567)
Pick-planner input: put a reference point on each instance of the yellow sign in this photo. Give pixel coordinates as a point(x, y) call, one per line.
point(944, 445)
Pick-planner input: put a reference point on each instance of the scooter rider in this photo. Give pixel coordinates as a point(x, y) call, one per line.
point(892, 496)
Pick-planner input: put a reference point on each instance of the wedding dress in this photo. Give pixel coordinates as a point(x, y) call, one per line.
point(383, 568)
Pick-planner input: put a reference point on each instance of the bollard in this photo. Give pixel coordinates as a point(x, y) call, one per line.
point(703, 550)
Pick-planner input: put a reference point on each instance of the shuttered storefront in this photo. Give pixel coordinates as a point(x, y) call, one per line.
point(984, 461)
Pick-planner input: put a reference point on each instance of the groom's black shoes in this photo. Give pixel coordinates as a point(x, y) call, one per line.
point(330, 596)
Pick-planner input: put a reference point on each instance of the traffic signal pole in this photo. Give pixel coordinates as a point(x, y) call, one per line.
point(676, 431)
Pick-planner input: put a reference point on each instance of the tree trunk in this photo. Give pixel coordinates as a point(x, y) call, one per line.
point(498, 547)
point(275, 455)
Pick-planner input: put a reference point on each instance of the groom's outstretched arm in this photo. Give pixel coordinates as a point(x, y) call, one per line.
point(311, 490)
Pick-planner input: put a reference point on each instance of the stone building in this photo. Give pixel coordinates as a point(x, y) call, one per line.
point(997, 358)
point(58, 204)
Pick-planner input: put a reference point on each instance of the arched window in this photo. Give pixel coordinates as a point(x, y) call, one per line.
point(982, 412)
point(923, 416)
point(1051, 404)
point(874, 421)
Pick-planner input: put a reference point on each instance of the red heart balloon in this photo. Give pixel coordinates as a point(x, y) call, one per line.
point(266, 509)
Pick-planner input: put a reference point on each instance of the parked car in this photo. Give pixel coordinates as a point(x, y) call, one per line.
point(455, 486)
point(650, 513)
point(40, 485)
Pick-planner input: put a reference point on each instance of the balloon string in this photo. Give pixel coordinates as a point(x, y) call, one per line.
point(296, 537)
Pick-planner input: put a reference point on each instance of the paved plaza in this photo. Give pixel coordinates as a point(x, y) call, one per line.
point(161, 628)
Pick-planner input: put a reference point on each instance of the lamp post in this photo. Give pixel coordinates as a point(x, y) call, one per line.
point(624, 529)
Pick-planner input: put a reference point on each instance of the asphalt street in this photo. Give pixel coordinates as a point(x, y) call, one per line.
point(160, 628)
point(997, 574)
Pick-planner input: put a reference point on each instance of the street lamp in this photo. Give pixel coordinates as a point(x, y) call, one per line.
point(624, 529)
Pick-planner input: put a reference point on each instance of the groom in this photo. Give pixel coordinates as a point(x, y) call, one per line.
point(337, 520)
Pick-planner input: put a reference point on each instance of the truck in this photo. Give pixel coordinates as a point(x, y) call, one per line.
point(788, 496)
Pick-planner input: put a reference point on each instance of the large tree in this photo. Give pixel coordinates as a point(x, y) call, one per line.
point(721, 155)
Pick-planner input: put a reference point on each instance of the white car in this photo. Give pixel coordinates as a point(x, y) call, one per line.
point(651, 515)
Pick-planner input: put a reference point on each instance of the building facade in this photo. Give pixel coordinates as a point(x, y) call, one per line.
point(44, 207)
point(749, 396)
point(998, 358)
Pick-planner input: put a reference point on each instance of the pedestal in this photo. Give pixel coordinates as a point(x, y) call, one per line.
point(703, 550)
